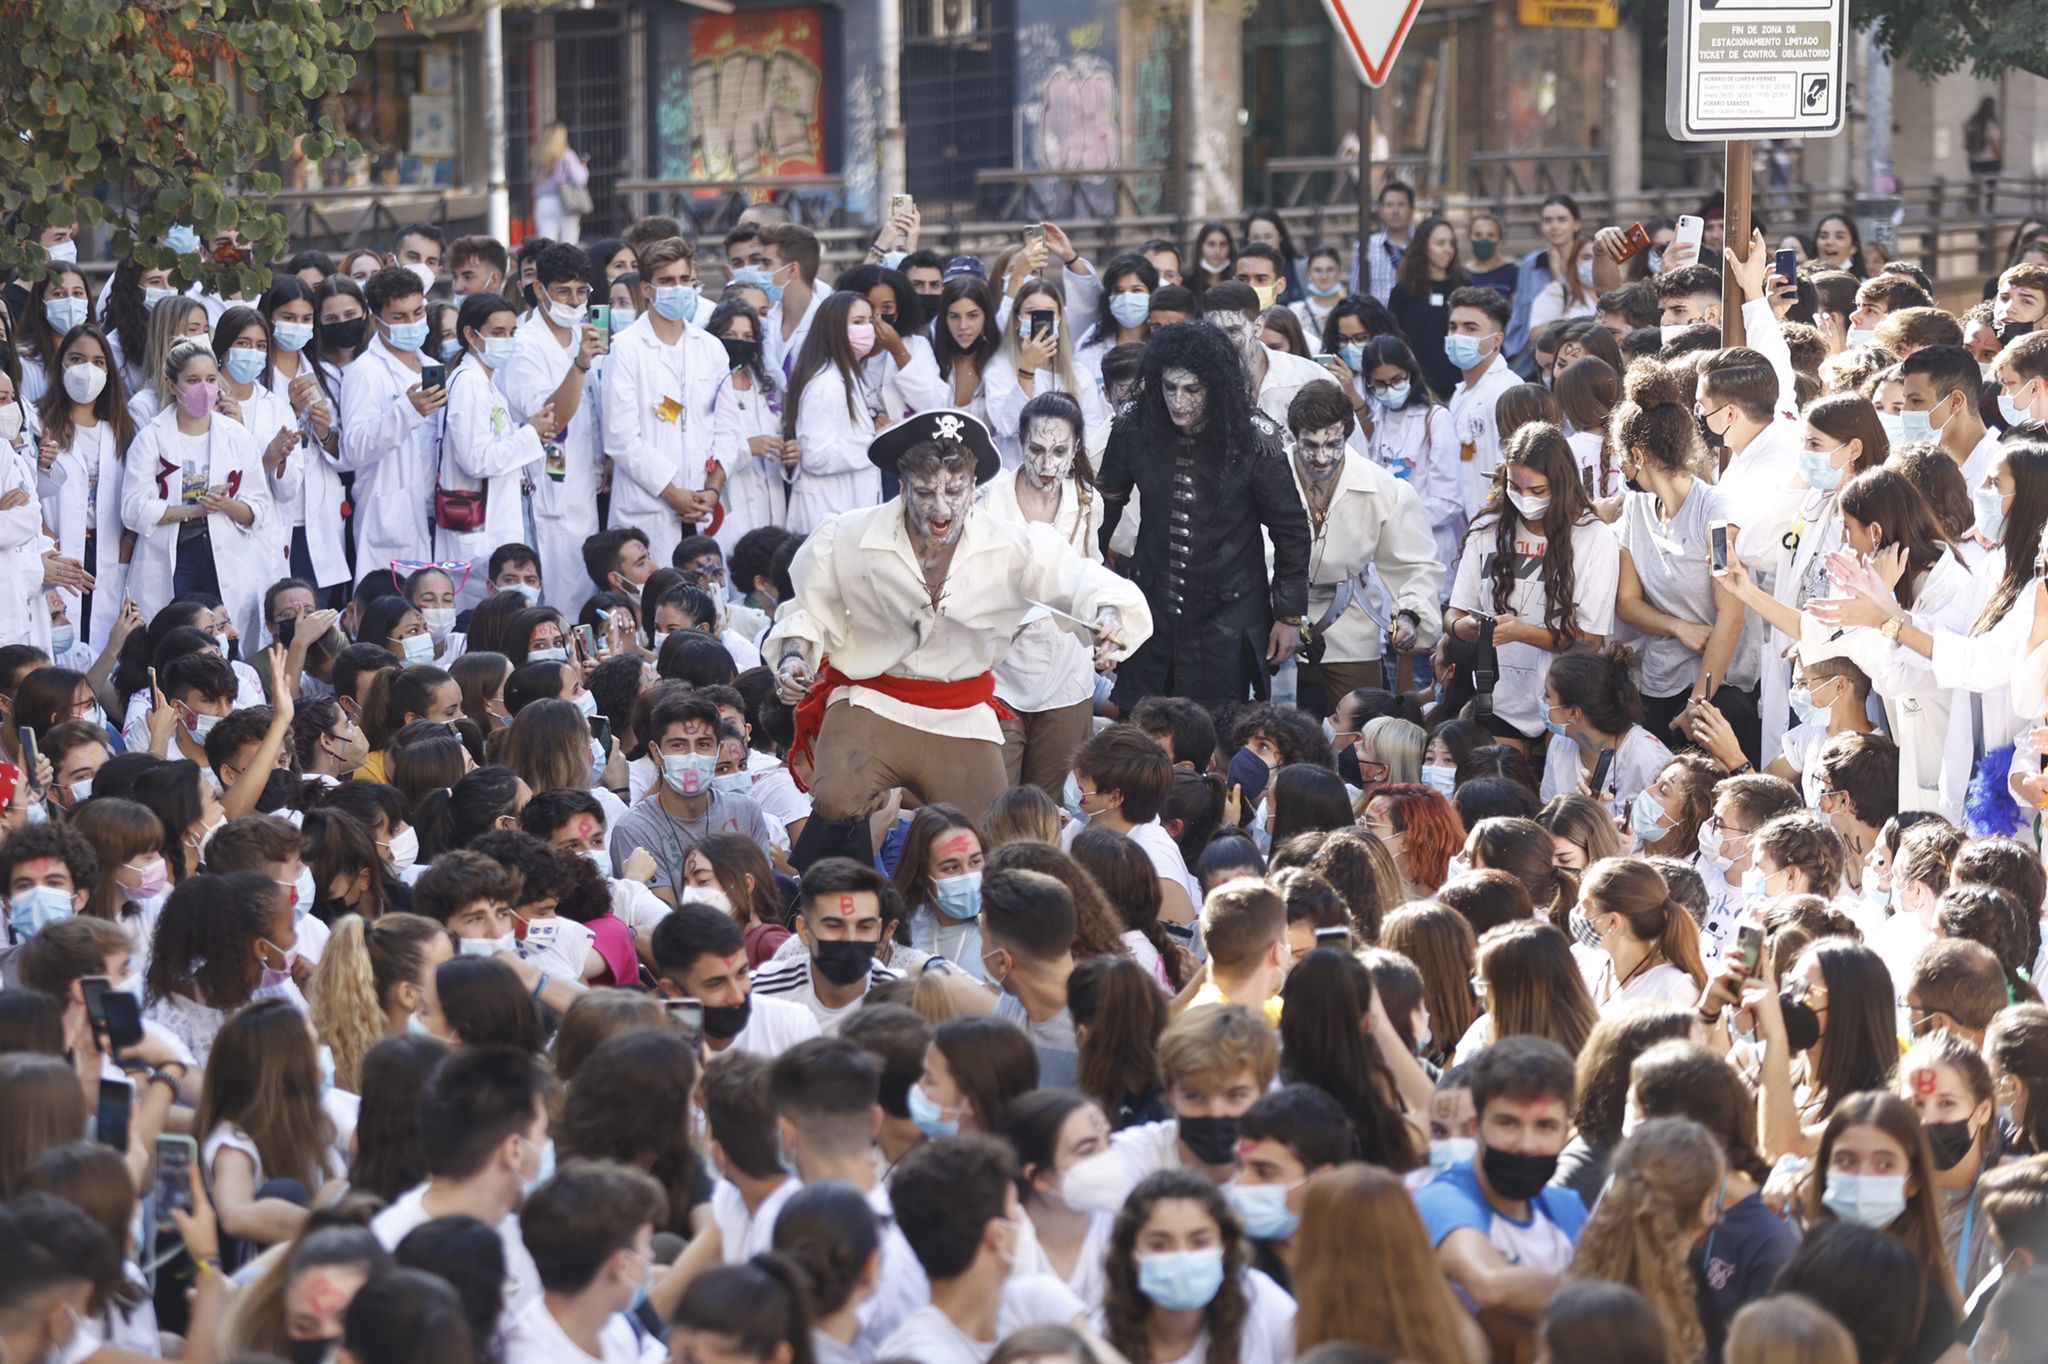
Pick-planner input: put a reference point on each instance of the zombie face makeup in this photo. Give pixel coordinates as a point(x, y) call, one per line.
point(1050, 446)
point(935, 503)
point(1187, 400)
point(1242, 331)
point(1320, 453)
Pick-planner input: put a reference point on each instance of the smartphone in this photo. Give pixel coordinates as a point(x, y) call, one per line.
point(1601, 768)
point(601, 317)
point(688, 1016)
point(1044, 322)
point(1718, 530)
point(1634, 242)
point(1690, 229)
point(1332, 937)
point(29, 754)
point(1034, 233)
point(433, 376)
point(1330, 363)
point(95, 989)
point(124, 1019)
point(1749, 948)
point(174, 1158)
point(117, 1101)
point(1787, 267)
point(901, 203)
point(588, 637)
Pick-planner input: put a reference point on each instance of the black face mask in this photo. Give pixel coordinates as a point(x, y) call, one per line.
point(344, 335)
point(1347, 767)
point(329, 909)
point(842, 963)
point(742, 354)
point(1949, 1141)
point(1802, 1023)
point(277, 790)
point(1707, 434)
point(723, 1022)
point(1213, 1140)
point(312, 1351)
point(1516, 1176)
point(531, 293)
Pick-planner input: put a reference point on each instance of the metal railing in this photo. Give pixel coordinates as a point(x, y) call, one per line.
point(710, 208)
point(336, 219)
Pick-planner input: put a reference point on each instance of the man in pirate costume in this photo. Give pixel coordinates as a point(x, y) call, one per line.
point(1361, 518)
point(902, 611)
point(1212, 472)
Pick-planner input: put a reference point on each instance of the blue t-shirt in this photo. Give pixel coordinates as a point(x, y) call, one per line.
point(1453, 1200)
point(1736, 1264)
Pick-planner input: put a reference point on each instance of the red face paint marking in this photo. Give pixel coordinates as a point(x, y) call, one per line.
point(846, 904)
point(1924, 1081)
point(961, 844)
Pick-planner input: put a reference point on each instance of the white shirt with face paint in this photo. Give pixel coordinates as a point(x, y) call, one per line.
point(1375, 522)
point(862, 599)
point(1047, 666)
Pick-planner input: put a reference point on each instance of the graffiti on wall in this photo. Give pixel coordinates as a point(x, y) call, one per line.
point(756, 102)
point(1068, 101)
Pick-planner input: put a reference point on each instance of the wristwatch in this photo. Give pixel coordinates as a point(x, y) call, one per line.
point(1890, 629)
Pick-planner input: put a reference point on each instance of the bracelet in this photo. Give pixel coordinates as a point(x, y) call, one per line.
point(209, 1266)
point(1710, 1019)
point(540, 984)
point(1744, 770)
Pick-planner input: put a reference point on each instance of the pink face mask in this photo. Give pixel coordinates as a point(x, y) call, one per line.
point(861, 336)
point(199, 399)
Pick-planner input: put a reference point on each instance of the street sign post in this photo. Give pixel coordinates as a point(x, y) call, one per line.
point(1737, 70)
point(1372, 32)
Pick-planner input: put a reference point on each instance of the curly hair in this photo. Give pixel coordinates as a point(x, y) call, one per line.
point(206, 938)
point(1125, 1308)
point(1431, 832)
point(1208, 354)
point(1541, 447)
point(1098, 928)
point(624, 1106)
point(1642, 1226)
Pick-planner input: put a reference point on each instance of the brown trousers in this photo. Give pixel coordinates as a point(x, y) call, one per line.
point(861, 755)
point(1038, 749)
point(1338, 681)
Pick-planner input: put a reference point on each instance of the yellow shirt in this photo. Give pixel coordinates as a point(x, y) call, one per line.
point(372, 768)
point(1210, 994)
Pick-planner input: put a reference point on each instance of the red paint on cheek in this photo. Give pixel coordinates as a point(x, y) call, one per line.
point(326, 1299)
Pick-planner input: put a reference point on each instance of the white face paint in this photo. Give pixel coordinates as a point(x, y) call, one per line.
point(1242, 331)
point(935, 505)
point(1320, 452)
point(1187, 399)
point(1050, 446)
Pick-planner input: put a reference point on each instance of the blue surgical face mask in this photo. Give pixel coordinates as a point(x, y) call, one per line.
point(1873, 1200)
point(1647, 819)
point(152, 297)
point(1989, 504)
point(1324, 290)
point(1818, 469)
point(1181, 1280)
point(499, 350)
point(958, 897)
point(2010, 408)
point(291, 336)
point(1445, 1152)
point(546, 1171)
point(406, 337)
point(930, 1118)
point(586, 704)
point(32, 910)
point(64, 313)
point(182, 238)
point(1395, 396)
point(1894, 424)
point(1441, 778)
point(1809, 711)
point(688, 774)
point(1352, 353)
point(1263, 1209)
point(62, 639)
point(554, 653)
point(734, 784)
point(755, 278)
point(245, 366)
point(676, 302)
point(1464, 351)
point(1130, 309)
point(1586, 271)
point(451, 350)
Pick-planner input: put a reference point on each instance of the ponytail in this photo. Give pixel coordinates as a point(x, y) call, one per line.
point(1563, 898)
point(1602, 685)
point(1680, 943)
point(1635, 890)
point(371, 715)
point(343, 996)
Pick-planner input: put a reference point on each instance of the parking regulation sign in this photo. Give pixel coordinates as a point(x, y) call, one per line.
point(1756, 69)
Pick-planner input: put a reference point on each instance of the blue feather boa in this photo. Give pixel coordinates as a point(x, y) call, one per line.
point(1988, 808)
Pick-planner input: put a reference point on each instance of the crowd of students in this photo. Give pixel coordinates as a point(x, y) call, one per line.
point(1610, 937)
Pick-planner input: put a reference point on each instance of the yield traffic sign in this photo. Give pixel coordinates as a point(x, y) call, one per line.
point(1372, 31)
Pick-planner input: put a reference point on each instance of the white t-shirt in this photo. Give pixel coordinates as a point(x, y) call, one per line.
point(741, 1234)
point(1661, 984)
point(1267, 1336)
point(1638, 758)
point(903, 1289)
point(1090, 1279)
point(930, 1337)
point(773, 1027)
point(1596, 576)
point(791, 981)
point(522, 1278)
point(535, 1337)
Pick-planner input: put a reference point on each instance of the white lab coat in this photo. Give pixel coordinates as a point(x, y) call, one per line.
point(263, 413)
point(651, 453)
point(1047, 665)
point(243, 558)
point(92, 461)
point(484, 448)
point(1979, 666)
point(564, 511)
point(1417, 445)
point(392, 449)
point(24, 616)
point(1375, 521)
point(834, 474)
point(307, 492)
point(1916, 710)
point(755, 494)
point(1006, 399)
point(915, 387)
point(1477, 430)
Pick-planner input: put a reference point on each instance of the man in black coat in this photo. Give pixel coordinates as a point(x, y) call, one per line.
point(1212, 471)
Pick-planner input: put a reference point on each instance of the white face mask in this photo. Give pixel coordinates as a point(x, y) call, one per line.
point(83, 382)
point(404, 848)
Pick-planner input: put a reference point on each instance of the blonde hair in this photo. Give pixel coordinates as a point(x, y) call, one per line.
point(1788, 1329)
point(1022, 814)
point(1063, 344)
point(549, 148)
point(1213, 1044)
point(1641, 1229)
point(166, 329)
point(362, 962)
point(1398, 744)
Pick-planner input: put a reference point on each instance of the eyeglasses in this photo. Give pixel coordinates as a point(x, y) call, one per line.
point(1727, 830)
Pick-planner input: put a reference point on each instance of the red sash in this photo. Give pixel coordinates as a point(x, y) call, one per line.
point(809, 716)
